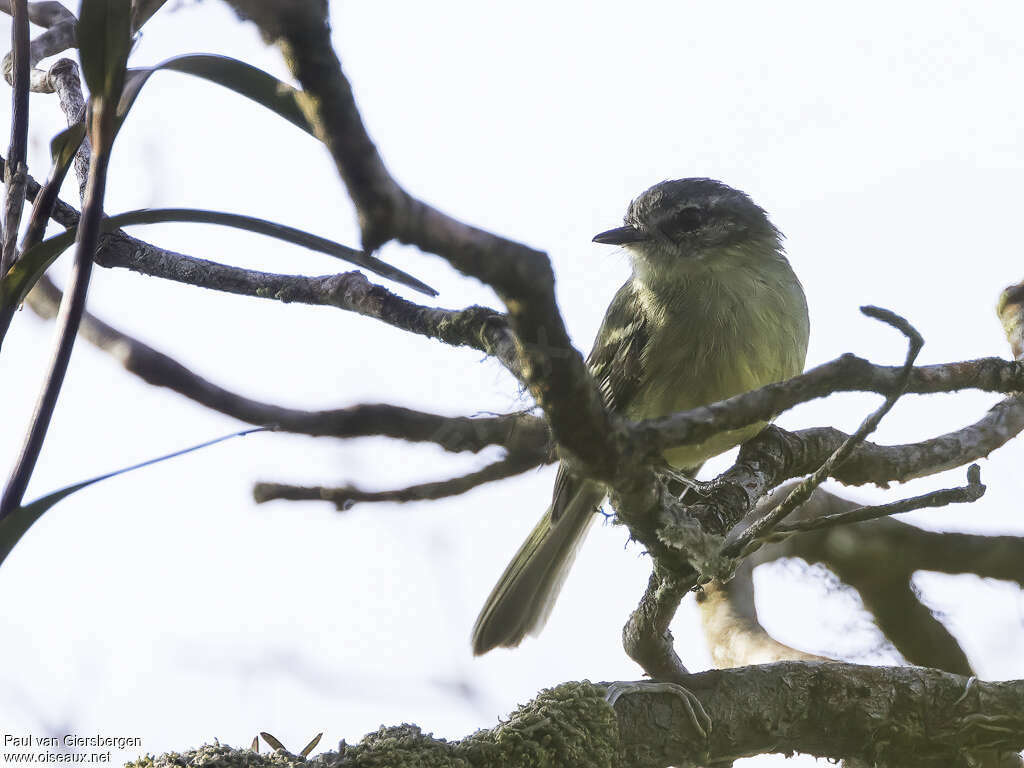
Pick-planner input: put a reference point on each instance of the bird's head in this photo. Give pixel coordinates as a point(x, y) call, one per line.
point(691, 221)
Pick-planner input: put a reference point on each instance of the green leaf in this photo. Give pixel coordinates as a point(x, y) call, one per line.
point(14, 526)
point(242, 78)
point(64, 146)
point(144, 10)
point(16, 284)
point(104, 40)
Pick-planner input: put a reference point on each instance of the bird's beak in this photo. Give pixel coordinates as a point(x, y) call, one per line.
point(620, 236)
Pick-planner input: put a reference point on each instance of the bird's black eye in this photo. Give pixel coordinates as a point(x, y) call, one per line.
point(686, 219)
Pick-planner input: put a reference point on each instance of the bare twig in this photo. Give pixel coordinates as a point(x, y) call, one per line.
point(487, 331)
point(490, 334)
point(478, 327)
point(16, 168)
point(453, 433)
point(552, 369)
point(345, 498)
point(877, 558)
point(759, 528)
point(971, 492)
point(776, 455)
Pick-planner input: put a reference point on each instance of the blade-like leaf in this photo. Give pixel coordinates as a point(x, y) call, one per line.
point(240, 77)
point(311, 746)
point(16, 284)
point(274, 743)
point(14, 526)
point(143, 10)
point(277, 231)
point(63, 148)
point(104, 39)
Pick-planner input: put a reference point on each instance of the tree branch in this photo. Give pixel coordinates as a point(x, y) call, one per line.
point(487, 331)
point(646, 637)
point(966, 494)
point(346, 497)
point(478, 327)
point(888, 715)
point(60, 35)
point(16, 169)
point(738, 541)
point(517, 431)
point(552, 369)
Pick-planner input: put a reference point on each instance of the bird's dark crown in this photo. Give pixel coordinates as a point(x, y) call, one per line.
point(698, 211)
point(688, 216)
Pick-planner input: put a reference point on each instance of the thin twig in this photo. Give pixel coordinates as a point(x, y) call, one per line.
point(479, 327)
point(16, 169)
point(552, 368)
point(453, 433)
point(488, 332)
point(964, 494)
point(759, 528)
point(346, 497)
point(847, 373)
point(68, 318)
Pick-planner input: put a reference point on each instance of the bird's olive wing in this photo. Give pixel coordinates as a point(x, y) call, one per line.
point(615, 363)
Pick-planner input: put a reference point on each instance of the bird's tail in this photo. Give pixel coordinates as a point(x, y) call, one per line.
point(522, 599)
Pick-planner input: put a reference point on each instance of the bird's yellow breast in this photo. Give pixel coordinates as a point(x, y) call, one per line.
point(716, 334)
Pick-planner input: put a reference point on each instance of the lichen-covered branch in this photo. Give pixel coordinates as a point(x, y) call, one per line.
point(889, 716)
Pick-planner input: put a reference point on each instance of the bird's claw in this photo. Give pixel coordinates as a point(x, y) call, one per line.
point(699, 717)
point(673, 479)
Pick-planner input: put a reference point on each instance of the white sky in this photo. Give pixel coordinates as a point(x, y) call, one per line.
point(884, 141)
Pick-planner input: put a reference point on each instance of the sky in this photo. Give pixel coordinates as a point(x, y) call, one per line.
point(884, 142)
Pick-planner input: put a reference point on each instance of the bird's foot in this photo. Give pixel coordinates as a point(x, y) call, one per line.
point(699, 718)
point(683, 487)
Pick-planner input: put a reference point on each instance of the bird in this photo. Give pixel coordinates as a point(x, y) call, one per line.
point(712, 309)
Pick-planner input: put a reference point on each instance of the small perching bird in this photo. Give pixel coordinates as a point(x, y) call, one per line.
point(711, 310)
